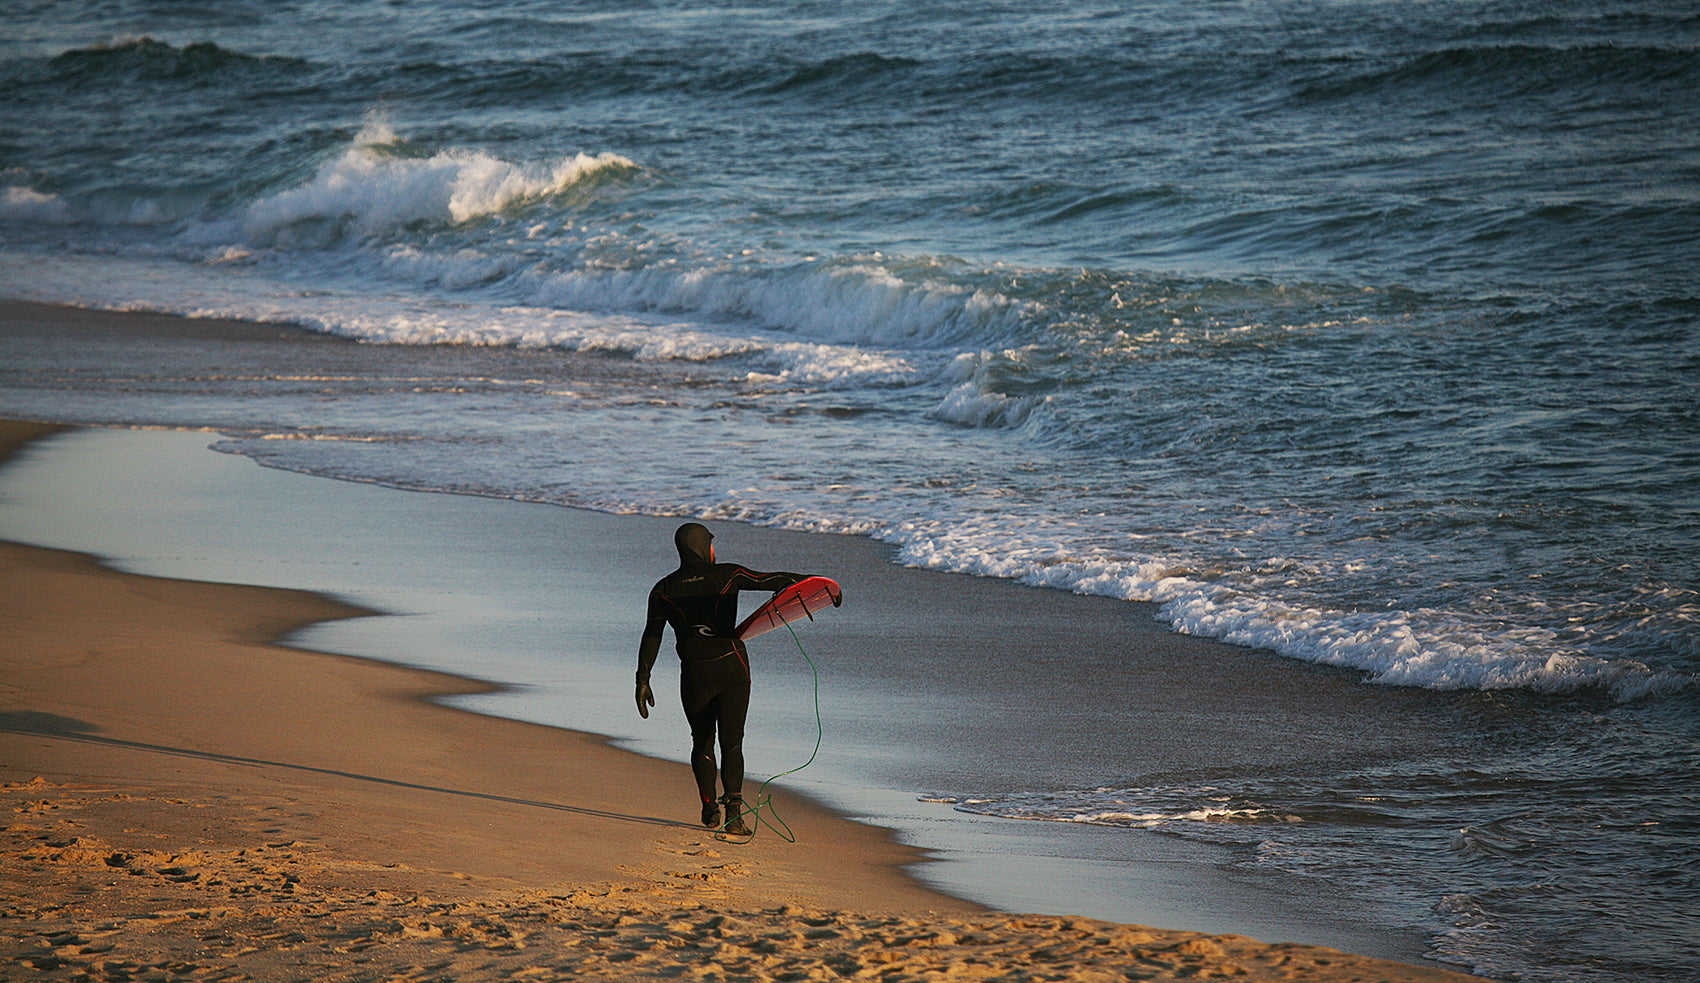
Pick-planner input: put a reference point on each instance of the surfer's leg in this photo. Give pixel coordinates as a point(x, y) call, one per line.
point(701, 699)
point(733, 705)
point(703, 721)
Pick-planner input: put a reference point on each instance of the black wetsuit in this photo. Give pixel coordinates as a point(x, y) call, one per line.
point(700, 601)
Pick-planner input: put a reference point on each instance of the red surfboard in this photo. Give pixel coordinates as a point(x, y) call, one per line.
point(801, 600)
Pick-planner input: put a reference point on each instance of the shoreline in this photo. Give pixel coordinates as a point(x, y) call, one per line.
point(147, 818)
point(297, 696)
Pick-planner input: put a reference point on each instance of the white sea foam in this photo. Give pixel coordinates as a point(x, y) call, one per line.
point(861, 303)
point(334, 437)
point(141, 284)
point(967, 405)
point(822, 365)
point(25, 204)
point(1432, 649)
point(1138, 808)
point(975, 401)
point(371, 188)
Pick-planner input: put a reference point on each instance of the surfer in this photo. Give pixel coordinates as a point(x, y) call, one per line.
point(700, 601)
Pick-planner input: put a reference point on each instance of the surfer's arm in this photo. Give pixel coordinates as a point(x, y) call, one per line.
point(649, 647)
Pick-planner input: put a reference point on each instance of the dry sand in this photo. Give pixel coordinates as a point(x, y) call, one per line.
point(186, 799)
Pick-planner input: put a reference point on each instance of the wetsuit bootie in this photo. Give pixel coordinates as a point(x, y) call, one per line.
point(735, 816)
point(710, 813)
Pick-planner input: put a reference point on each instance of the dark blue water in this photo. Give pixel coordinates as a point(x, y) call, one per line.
point(1364, 333)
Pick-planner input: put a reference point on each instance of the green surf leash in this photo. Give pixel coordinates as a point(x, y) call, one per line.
point(763, 811)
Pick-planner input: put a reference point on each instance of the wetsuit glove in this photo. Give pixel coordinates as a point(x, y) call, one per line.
point(645, 698)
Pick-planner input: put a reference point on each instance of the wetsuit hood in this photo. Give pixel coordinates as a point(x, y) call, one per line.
point(693, 540)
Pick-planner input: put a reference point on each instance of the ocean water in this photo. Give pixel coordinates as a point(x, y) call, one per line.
point(1361, 334)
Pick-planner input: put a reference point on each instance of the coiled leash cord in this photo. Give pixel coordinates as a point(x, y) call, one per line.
point(763, 812)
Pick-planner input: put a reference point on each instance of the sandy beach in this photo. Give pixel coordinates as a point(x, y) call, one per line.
point(186, 800)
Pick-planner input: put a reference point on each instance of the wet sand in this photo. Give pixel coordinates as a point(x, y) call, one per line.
point(187, 800)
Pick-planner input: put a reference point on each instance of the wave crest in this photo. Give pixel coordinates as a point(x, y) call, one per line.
point(145, 59)
point(1519, 70)
point(373, 186)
